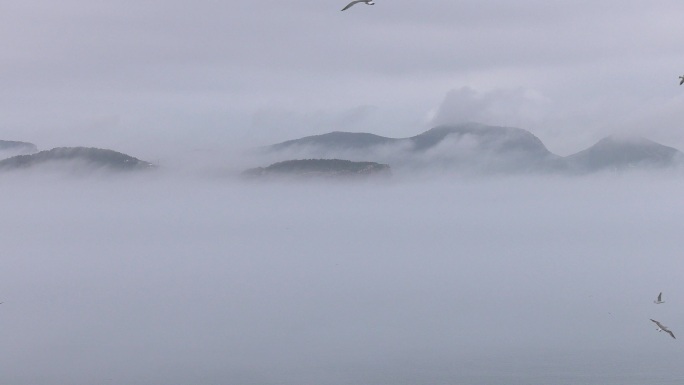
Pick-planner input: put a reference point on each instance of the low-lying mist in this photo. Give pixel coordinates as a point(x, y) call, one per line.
point(176, 280)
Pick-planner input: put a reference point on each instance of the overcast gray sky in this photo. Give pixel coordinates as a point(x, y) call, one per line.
point(149, 76)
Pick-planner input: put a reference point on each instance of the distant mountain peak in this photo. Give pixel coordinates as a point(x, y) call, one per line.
point(624, 151)
point(489, 137)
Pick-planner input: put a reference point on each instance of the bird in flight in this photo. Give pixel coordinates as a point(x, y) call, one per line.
point(663, 328)
point(659, 300)
point(681, 77)
point(369, 2)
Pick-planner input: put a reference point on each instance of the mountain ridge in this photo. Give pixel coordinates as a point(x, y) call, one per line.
point(483, 148)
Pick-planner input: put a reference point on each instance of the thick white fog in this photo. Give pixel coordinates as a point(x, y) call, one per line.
point(163, 281)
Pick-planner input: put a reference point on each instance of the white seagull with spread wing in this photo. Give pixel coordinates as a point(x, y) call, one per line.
point(369, 2)
point(663, 328)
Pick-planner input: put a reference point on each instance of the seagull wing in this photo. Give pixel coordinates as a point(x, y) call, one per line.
point(658, 323)
point(352, 3)
point(660, 297)
point(682, 82)
point(670, 333)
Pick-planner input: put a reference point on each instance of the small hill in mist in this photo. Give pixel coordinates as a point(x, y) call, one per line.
point(10, 148)
point(76, 158)
point(319, 168)
point(621, 153)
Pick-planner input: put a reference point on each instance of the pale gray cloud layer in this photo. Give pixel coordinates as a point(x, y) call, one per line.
point(173, 282)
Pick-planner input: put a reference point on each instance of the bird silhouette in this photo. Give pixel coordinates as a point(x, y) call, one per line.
point(368, 2)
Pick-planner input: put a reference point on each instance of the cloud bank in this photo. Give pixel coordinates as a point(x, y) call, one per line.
point(170, 282)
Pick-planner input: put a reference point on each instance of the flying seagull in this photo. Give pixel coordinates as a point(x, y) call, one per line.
point(681, 77)
point(659, 300)
point(369, 2)
point(663, 328)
